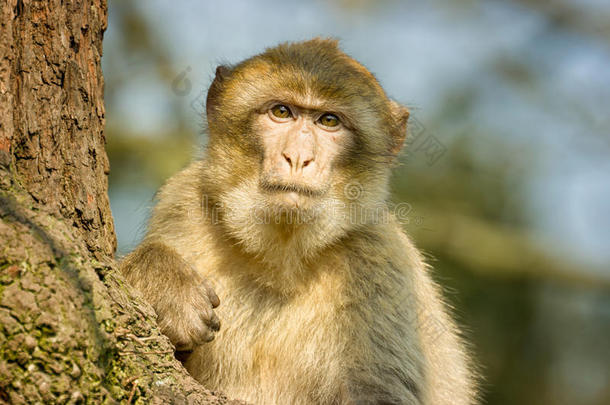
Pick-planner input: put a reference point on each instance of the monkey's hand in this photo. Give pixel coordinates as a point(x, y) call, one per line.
point(183, 300)
point(190, 319)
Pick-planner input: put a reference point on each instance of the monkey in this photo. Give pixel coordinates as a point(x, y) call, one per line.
point(274, 262)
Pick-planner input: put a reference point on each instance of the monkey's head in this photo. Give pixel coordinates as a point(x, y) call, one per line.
point(300, 136)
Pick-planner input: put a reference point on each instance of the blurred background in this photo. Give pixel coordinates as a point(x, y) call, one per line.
point(507, 170)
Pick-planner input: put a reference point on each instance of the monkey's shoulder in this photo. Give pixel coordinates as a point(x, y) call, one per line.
point(181, 205)
point(182, 187)
point(383, 245)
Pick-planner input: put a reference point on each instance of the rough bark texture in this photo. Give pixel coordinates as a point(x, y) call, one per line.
point(70, 330)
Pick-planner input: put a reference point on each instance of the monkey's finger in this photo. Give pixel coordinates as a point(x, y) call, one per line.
point(211, 319)
point(208, 336)
point(184, 347)
point(204, 335)
point(214, 300)
point(183, 342)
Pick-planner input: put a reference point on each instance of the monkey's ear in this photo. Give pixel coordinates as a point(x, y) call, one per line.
point(400, 115)
point(222, 72)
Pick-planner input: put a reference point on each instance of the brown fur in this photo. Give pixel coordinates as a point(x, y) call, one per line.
point(336, 309)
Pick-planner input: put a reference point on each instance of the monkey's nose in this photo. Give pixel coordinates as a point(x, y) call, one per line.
point(297, 161)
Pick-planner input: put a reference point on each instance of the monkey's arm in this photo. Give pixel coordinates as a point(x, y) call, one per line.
point(414, 351)
point(448, 378)
point(182, 299)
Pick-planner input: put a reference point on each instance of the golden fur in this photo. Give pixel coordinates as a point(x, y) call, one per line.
point(335, 306)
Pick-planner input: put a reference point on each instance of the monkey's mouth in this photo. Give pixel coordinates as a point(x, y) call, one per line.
point(288, 188)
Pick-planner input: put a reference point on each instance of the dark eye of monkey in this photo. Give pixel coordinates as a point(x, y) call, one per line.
point(281, 111)
point(329, 120)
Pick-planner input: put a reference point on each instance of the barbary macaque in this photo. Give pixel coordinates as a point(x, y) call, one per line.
point(275, 261)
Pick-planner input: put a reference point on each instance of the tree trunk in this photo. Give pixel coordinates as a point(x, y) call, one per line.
point(70, 330)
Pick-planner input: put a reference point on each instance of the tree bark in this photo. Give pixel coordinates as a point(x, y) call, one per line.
point(70, 330)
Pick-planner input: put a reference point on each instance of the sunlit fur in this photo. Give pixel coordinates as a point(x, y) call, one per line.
point(329, 303)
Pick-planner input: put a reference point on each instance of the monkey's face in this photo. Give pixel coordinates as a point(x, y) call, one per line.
point(300, 148)
point(301, 134)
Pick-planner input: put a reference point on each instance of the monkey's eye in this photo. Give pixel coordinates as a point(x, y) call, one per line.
point(329, 120)
point(281, 111)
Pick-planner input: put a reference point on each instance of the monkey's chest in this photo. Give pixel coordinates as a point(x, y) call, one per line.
point(279, 347)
